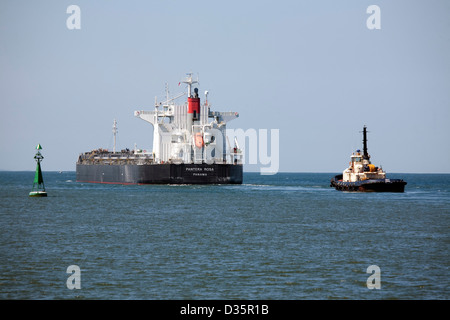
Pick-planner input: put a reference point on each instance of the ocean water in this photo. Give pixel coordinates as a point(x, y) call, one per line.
point(283, 237)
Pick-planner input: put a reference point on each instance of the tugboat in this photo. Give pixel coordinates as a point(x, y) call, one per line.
point(363, 176)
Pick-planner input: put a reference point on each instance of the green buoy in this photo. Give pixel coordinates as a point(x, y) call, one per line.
point(38, 184)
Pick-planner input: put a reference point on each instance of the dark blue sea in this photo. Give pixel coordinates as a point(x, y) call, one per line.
point(284, 237)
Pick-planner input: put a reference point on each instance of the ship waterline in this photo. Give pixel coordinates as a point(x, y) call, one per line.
point(167, 173)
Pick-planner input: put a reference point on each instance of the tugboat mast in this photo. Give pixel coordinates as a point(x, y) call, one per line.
point(365, 153)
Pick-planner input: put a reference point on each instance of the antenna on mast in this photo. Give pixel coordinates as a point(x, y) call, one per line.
point(189, 81)
point(167, 91)
point(114, 133)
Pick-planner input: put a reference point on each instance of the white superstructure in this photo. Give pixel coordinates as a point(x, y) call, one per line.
point(361, 168)
point(191, 132)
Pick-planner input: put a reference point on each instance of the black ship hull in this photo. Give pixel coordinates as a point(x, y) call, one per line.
point(371, 185)
point(167, 173)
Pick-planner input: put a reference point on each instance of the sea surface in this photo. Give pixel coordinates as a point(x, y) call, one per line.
point(284, 237)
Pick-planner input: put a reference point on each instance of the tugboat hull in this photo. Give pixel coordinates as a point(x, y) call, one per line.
point(370, 185)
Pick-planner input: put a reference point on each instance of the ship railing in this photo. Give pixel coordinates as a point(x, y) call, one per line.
point(104, 157)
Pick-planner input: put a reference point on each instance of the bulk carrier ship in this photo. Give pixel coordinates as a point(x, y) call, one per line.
point(189, 147)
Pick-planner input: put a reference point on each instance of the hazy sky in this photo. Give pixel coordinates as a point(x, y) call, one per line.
point(312, 69)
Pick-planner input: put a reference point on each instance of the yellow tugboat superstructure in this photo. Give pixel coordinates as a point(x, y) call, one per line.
point(357, 171)
point(362, 175)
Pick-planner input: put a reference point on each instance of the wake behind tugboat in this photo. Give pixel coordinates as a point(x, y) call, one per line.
point(363, 176)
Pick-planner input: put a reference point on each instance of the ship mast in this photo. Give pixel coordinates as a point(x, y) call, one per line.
point(114, 133)
point(365, 153)
point(189, 81)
